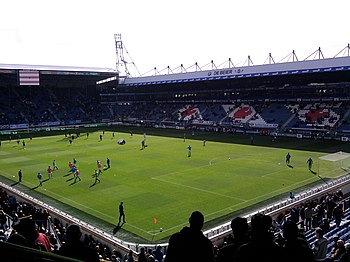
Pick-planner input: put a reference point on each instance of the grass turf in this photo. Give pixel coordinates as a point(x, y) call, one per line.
point(161, 181)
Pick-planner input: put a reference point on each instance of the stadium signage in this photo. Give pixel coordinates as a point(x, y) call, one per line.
point(263, 125)
point(225, 72)
point(302, 67)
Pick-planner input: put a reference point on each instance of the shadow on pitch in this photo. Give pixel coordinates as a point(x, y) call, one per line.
point(313, 172)
point(290, 166)
point(68, 174)
point(74, 182)
point(118, 227)
point(94, 184)
point(39, 184)
point(15, 183)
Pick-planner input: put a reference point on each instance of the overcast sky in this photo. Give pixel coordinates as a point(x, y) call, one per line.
point(161, 33)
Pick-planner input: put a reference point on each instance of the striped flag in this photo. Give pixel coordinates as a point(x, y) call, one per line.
point(29, 78)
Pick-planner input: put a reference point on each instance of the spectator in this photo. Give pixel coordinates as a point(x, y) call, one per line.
point(142, 255)
point(338, 214)
point(117, 254)
point(74, 248)
point(325, 225)
point(346, 256)
point(302, 216)
point(261, 247)
point(3, 220)
point(334, 245)
point(296, 248)
point(320, 246)
point(239, 228)
point(18, 239)
point(35, 239)
point(338, 252)
point(308, 216)
point(190, 244)
point(129, 256)
point(158, 254)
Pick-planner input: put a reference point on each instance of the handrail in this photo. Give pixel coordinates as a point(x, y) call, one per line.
point(213, 234)
point(278, 207)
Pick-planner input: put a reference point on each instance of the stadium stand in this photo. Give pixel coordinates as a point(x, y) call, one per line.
point(323, 201)
point(289, 102)
point(36, 107)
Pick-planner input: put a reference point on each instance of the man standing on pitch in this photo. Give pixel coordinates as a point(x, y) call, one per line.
point(121, 213)
point(189, 151)
point(309, 163)
point(20, 174)
point(288, 156)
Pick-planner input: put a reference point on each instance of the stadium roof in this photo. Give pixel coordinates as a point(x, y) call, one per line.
point(55, 68)
point(288, 68)
point(47, 75)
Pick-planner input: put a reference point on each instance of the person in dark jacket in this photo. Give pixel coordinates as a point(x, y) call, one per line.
point(74, 248)
point(190, 244)
point(239, 226)
point(261, 247)
point(296, 249)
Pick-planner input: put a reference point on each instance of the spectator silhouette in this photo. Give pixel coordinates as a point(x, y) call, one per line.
point(239, 228)
point(338, 214)
point(296, 249)
point(129, 257)
point(142, 255)
point(346, 256)
point(261, 247)
point(190, 244)
point(28, 229)
point(74, 248)
point(18, 239)
point(158, 254)
point(338, 253)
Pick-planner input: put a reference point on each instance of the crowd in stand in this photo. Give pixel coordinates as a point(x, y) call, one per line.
point(24, 224)
point(285, 238)
point(35, 106)
point(264, 239)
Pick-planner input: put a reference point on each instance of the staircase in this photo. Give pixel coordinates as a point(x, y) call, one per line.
point(288, 121)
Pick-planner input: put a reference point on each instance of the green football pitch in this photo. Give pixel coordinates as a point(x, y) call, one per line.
point(226, 175)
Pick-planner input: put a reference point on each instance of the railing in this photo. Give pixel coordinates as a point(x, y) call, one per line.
point(215, 234)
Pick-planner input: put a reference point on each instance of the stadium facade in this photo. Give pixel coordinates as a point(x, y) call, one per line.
point(297, 97)
point(310, 95)
point(302, 96)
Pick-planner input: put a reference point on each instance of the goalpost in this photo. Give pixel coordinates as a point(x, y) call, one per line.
point(334, 165)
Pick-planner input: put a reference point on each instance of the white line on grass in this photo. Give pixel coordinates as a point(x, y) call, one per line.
point(198, 167)
point(238, 204)
point(268, 174)
point(272, 192)
point(199, 189)
point(256, 198)
point(79, 204)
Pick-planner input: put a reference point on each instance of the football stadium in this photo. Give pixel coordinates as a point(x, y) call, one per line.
point(128, 159)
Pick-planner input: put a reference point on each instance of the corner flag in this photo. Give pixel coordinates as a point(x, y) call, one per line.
point(155, 220)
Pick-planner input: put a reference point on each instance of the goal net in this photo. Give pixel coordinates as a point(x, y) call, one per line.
point(334, 165)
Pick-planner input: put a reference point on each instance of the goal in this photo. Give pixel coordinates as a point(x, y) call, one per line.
point(334, 165)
